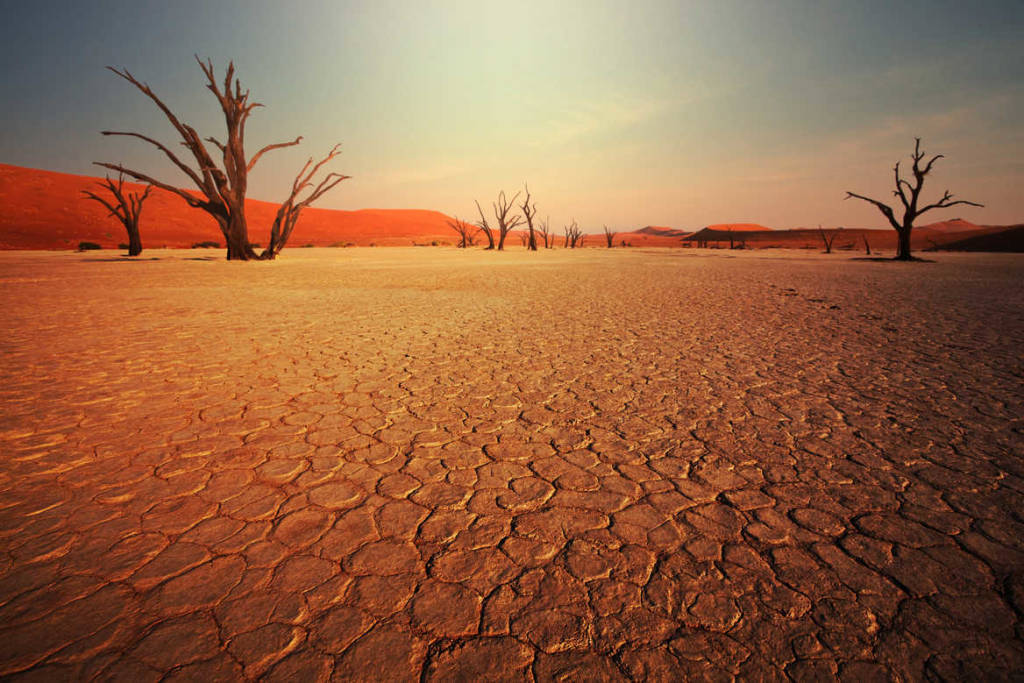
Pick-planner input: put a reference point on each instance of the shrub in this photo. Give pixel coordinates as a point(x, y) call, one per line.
point(88, 246)
point(206, 245)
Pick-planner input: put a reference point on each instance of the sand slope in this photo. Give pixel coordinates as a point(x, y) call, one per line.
point(46, 210)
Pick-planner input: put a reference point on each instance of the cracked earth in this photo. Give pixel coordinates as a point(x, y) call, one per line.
point(423, 464)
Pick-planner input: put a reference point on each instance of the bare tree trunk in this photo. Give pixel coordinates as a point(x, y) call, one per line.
point(530, 210)
point(867, 247)
point(223, 187)
point(826, 239)
point(126, 207)
point(237, 237)
point(134, 241)
point(291, 208)
point(485, 228)
point(903, 245)
point(609, 237)
point(464, 230)
point(545, 232)
point(505, 222)
point(909, 196)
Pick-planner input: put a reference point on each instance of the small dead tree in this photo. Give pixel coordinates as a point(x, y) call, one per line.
point(222, 188)
point(485, 228)
point(288, 213)
point(909, 195)
point(573, 235)
point(529, 211)
point(466, 232)
point(506, 222)
point(545, 232)
point(609, 237)
point(867, 247)
point(126, 206)
point(828, 239)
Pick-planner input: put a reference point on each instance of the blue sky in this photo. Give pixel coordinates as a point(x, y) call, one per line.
point(618, 113)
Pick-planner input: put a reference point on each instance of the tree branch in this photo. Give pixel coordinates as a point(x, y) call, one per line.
point(191, 199)
point(899, 187)
point(269, 148)
point(168, 153)
point(944, 203)
point(884, 208)
point(113, 211)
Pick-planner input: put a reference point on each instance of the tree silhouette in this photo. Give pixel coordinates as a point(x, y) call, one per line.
point(126, 206)
point(222, 188)
point(529, 211)
point(911, 208)
point(485, 228)
point(609, 236)
point(505, 221)
point(545, 232)
point(573, 235)
point(828, 239)
point(467, 235)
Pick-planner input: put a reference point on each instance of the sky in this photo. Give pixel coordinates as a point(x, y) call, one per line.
point(619, 113)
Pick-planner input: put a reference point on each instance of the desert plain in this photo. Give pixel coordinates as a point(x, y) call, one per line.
point(436, 464)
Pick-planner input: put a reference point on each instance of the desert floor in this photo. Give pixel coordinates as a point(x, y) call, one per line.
point(598, 464)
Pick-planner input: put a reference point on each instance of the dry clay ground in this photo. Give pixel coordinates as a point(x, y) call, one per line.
point(593, 465)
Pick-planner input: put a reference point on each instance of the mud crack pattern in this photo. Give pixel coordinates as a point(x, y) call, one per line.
point(593, 465)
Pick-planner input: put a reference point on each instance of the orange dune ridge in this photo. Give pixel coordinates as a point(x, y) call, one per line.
point(737, 227)
point(46, 210)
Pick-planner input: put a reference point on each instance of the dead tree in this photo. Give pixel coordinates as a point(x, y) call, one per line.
point(484, 227)
point(126, 206)
point(505, 222)
point(529, 211)
point(573, 235)
point(288, 213)
point(867, 247)
point(909, 195)
point(467, 236)
point(828, 239)
point(222, 188)
point(609, 237)
point(545, 232)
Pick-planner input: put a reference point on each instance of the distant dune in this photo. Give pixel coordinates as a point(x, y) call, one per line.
point(661, 231)
point(954, 225)
point(1008, 240)
point(737, 227)
point(847, 239)
point(46, 210)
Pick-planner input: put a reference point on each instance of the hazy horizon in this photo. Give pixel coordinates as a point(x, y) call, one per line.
point(664, 113)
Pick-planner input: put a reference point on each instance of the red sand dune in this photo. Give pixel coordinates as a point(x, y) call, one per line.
point(46, 210)
point(954, 225)
point(1010, 239)
point(737, 227)
point(847, 239)
point(661, 231)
